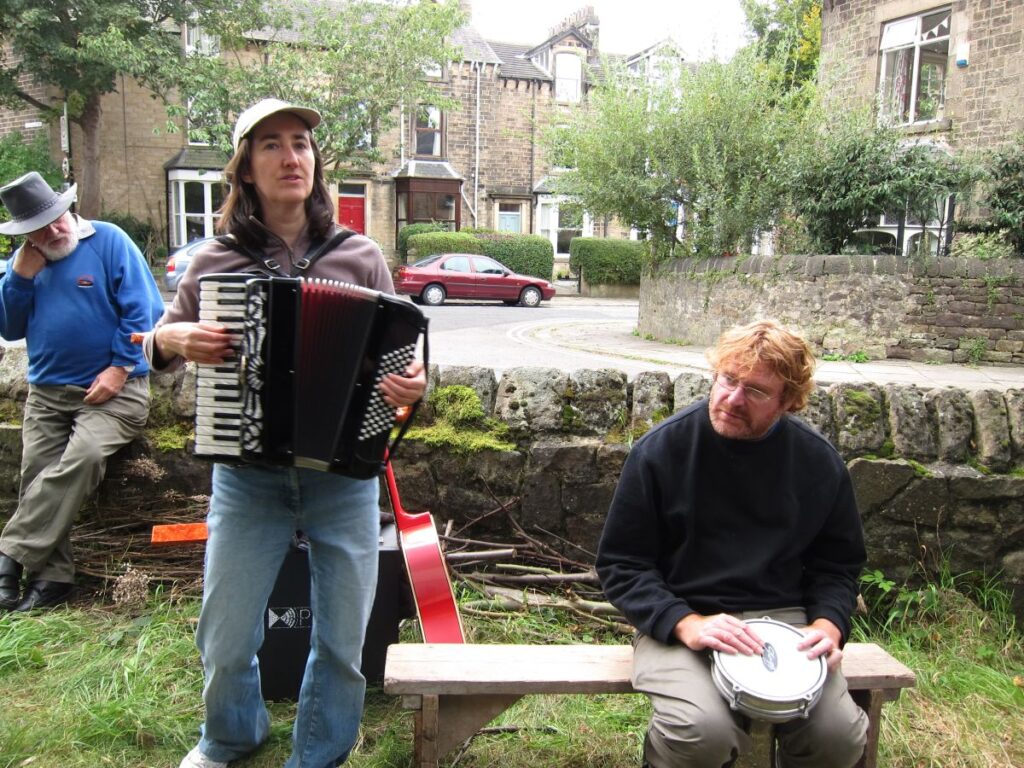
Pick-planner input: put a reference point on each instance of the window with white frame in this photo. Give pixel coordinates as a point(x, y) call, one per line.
point(199, 43)
point(914, 59)
point(428, 130)
point(195, 199)
point(560, 220)
point(510, 217)
point(568, 77)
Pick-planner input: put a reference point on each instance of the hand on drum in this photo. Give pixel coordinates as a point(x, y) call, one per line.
point(821, 638)
point(721, 632)
point(203, 342)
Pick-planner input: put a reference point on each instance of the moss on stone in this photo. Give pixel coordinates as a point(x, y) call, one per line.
point(571, 418)
point(11, 412)
point(919, 468)
point(460, 424)
point(457, 405)
point(169, 437)
point(462, 441)
point(861, 410)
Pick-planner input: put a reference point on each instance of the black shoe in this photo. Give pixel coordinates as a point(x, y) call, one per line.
point(10, 583)
point(44, 594)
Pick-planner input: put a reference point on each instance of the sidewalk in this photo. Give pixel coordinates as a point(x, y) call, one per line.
point(616, 339)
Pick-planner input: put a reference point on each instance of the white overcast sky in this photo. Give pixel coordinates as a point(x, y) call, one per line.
point(704, 28)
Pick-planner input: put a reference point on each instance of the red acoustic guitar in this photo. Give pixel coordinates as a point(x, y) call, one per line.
point(428, 574)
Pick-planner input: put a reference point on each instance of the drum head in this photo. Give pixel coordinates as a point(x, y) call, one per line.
point(781, 673)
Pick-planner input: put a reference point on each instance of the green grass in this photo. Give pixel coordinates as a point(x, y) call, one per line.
point(958, 634)
point(91, 686)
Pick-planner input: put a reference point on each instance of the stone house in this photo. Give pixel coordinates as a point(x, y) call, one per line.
point(949, 73)
point(479, 165)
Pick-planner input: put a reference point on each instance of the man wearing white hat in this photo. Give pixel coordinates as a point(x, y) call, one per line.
point(75, 291)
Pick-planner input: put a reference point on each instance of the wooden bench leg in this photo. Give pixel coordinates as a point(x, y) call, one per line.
point(444, 722)
point(426, 726)
point(871, 702)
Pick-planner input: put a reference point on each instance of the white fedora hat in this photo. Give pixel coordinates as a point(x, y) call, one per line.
point(33, 204)
point(261, 110)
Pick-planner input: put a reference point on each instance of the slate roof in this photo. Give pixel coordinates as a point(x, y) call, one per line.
point(197, 158)
point(474, 47)
point(514, 64)
point(427, 169)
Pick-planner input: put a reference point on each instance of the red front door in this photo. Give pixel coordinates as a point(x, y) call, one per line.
point(352, 212)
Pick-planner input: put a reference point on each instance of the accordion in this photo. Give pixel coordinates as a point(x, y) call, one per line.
point(302, 387)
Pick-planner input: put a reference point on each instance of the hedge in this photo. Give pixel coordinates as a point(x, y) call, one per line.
point(415, 229)
point(429, 243)
point(526, 254)
point(606, 261)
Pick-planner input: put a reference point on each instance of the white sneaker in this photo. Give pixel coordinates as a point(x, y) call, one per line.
point(196, 759)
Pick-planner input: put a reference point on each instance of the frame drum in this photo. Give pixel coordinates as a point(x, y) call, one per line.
point(780, 684)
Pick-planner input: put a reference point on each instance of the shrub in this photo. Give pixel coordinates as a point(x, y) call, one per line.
point(415, 229)
point(981, 245)
point(1006, 194)
point(430, 243)
point(526, 254)
point(606, 261)
point(141, 232)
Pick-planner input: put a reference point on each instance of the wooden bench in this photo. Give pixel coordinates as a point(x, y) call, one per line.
point(455, 689)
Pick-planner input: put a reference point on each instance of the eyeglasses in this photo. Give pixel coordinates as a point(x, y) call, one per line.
point(731, 384)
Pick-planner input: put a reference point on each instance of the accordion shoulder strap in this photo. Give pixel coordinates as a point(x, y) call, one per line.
point(271, 266)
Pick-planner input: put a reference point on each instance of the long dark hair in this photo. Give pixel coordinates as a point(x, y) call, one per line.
point(242, 204)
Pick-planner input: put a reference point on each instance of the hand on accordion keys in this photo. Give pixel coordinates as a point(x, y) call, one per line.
point(203, 342)
point(407, 389)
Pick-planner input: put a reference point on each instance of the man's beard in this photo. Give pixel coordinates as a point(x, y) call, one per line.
point(56, 253)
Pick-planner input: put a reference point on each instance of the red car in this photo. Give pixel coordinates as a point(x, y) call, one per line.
point(469, 276)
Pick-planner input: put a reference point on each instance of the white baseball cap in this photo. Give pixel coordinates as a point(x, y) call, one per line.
point(261, 110)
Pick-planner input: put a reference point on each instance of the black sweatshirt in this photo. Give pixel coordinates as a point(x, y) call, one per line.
point(702, 523)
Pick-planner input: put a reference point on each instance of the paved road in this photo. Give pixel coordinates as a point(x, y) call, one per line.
point(499, 337)
point(570, 332)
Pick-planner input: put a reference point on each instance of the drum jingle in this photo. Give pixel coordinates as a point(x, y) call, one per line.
point(779, 685)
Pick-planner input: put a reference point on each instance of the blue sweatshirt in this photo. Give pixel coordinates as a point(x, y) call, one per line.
point(78, 314)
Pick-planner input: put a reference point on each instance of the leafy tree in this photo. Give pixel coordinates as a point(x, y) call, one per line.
point(357, 62)
point(925, 177)
point(847, 170)
point(841, 175)
point(1005, 168)
point(53, 43)
point(354, 61)
point(702, 145)
point(787, 35)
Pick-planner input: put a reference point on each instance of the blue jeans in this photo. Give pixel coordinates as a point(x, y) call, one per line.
point(254, 512)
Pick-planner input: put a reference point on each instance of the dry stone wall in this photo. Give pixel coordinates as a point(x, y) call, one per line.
point(935, 471)
point(944, 310)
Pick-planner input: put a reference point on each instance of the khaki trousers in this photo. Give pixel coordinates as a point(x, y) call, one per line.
point(65, 446)
point(692, 725)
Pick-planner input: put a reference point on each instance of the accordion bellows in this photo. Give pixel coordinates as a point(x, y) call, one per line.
point(302, 389)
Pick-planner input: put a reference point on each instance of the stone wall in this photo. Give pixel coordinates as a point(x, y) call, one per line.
point(938, 310)
point(934, 471)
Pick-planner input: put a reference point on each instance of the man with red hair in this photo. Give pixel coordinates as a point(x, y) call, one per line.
point(727, 511)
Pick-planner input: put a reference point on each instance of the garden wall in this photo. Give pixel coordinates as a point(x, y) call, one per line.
point(935, 310)
point(934, 471)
